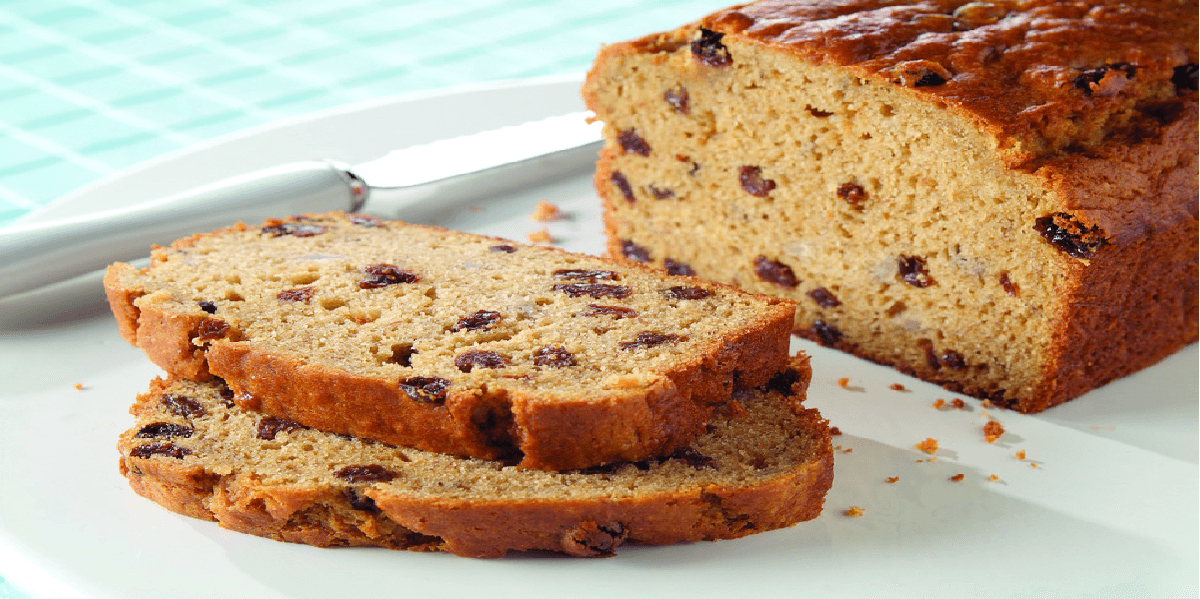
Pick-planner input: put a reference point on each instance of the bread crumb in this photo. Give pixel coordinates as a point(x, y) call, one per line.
point(835, 431)
point(939, 403)
point(1034, 465)
point(79, 387)
point(897, 387)
point(545, 211)
point(958, 477)
point(992, 431)
point(1020, 454)
point(993, 478)
point(848, 450)
point(929, 445)
point(844, 382)
point(987, 403)
point(959, 404)
point(891, 479)
point(540, 236)
point(854, 512)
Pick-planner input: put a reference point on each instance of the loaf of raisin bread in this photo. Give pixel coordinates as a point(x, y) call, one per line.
point(1000, 197)
point(449, 342)
point(765, 462)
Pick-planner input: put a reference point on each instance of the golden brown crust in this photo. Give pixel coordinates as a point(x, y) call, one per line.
point(228, 474)
point(631, 424)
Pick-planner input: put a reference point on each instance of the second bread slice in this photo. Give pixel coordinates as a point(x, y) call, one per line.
point(450, 342)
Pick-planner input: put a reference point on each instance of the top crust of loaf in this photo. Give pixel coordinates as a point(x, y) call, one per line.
point(1044, 77)
point(472, 346)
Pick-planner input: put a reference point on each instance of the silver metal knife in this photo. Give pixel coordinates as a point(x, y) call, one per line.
point(460, 168)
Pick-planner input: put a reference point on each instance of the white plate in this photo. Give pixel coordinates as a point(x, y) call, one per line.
point(1104, 505)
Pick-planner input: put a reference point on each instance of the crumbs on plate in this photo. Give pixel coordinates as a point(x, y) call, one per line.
point(540, 236)
point(853, 512)
point(545, 211)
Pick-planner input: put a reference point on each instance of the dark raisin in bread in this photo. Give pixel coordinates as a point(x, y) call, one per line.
point(450, 342)
point(996, 196)
point(766, 462)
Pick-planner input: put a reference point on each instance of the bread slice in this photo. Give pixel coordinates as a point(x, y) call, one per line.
point(765, 462)
point(449, 342)
point(996, 196)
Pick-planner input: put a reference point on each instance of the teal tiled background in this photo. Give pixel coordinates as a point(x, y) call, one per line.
point(91, 87)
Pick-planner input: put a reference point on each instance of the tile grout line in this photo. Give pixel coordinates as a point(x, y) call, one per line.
point(130, 66)
point(217, 47)
point(67, 154)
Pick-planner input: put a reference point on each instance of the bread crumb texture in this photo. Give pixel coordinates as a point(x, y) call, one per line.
point(999, 197)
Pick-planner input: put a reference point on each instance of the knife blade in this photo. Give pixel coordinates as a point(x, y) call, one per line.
point(486, 163)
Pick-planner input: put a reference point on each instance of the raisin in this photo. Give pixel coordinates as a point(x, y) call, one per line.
point(774, 271)
point(594, 540)
point(650, 339)
point(482, 319)
point(680, 292)
point(674, 267)
point(164, 429)
point(1010, 287)
point(709, 50)
point(300, 294)
point(615, 311)
point(371, 473)
point(678, 99)
point(557, 357)
point(293, 229)
point(212, 328)
point(402, 354)
point(383, 275)
point(587, 275)
point(661, 193)
point(784, 381)
point(914, 272)
point(633, 143)
point(695, 169)
point(269, 426)
point(821, 114)
point(1089, 80)
point(953, 360)
point(425, 389)
point(208, 307)
point(164, 449)
point(469, 359)
point(753, 183)
point(183, 406)
point(1065, 233)
point(634, 251)
point(1184, 77)
point(363, 220)
point(226, 396)
point(931, 357)
point(921, 73)
point(693, 458)
point(507, 249)
point(826, 333)
point(618, 178)
point(853, 193)
point(824, 298)
point(361, 503)
point(595, 290)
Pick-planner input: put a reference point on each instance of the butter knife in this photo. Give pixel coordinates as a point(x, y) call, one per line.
point(460, 168)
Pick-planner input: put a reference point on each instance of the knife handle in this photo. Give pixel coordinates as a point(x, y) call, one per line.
point(39, 254)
